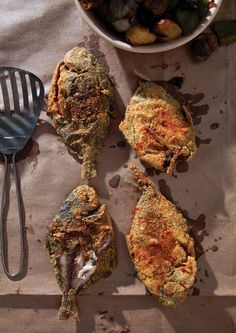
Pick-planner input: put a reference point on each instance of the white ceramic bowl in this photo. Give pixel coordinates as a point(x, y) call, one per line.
point(103, 31)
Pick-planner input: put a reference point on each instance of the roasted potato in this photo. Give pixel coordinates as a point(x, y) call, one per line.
point(167, 29)
point(138, 35)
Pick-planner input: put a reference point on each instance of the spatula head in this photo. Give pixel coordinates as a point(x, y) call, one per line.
point(21, 100)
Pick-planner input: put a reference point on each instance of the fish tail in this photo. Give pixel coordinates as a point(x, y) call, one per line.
point(88, 167)
point(69, 307)
point(136, 178)
point(88, 171)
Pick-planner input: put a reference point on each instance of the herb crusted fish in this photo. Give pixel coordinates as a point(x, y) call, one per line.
point(158, 126)
point(159, 244)
point(81, 245)
point(79, 102)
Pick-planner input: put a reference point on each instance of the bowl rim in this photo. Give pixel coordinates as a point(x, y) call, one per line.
point(150, 48)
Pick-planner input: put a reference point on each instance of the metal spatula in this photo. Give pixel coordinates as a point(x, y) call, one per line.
point(21, 98)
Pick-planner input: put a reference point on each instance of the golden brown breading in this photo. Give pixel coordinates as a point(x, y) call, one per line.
point(158, 126)
point(81, 245)
point(79, 103)
point(159, 244)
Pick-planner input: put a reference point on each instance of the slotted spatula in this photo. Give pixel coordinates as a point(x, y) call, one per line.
point(21, 100)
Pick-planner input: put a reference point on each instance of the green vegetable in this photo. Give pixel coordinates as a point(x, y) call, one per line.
point(225, 32)
point(173, 4)
point(203, 8)
point(188, 20)
point(203, 46)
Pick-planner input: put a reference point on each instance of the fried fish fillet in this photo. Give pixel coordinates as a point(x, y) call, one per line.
point(81, 245)
point(158, 126)
point(159, 244)
point(79, 102)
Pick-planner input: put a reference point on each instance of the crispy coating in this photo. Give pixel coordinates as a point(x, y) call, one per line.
point(79, 103)
point(158, 126)
point(81, 245)
point(159, 244)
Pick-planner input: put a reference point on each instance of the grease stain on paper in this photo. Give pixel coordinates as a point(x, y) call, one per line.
point(214, 126)
point(182, 166)
point(30, 229)
point(197, 111)
point(114, 181)
point(121, 144)
point(200, 141)
point(164, 66)
point(165, 190)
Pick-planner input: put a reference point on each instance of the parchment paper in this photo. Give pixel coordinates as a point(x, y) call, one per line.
point(35, 35)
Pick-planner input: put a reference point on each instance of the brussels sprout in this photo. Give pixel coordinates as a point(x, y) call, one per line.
point(121, 25)
point(187, 19)
point(167, 29)
point(118, 9)
point(138, 35)
point(172, 5)
point(203, 8)
point(204, 45)
point(189, 5)
point(225, 31)
point(157, 7)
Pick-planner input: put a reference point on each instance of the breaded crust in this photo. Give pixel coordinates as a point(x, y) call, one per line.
point(81, 245)
point(79, 103)
point(160, 245)
point(158, 126)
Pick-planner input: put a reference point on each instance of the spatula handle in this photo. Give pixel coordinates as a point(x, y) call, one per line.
point(3, 234)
